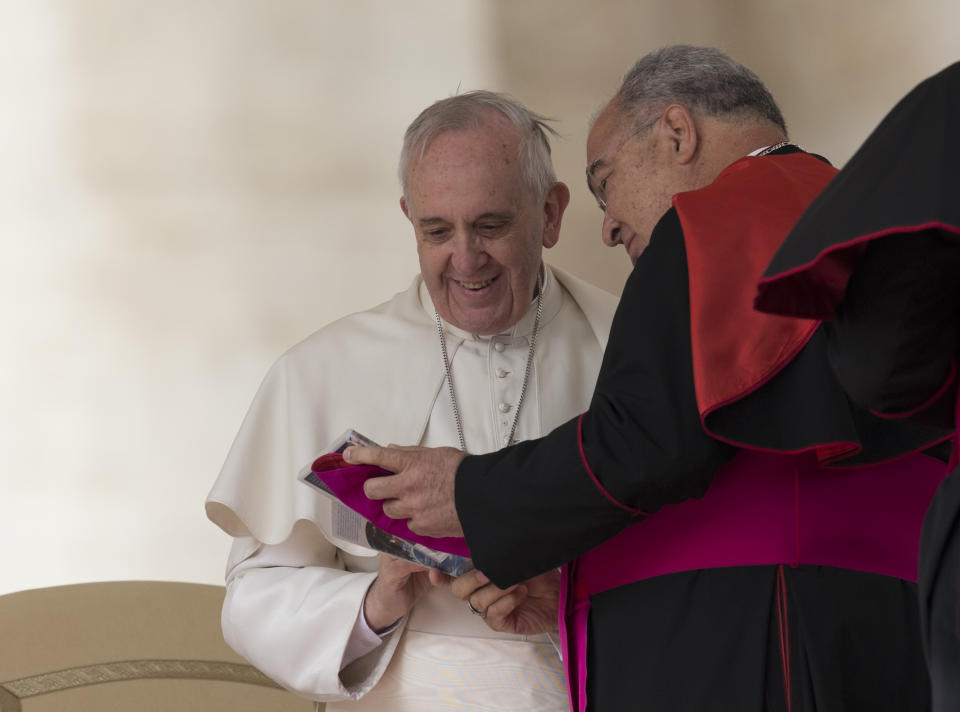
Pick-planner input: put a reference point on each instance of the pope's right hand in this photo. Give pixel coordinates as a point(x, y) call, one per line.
point(398, 586)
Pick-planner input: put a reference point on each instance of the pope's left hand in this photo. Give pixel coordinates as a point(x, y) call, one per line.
point(421, 491)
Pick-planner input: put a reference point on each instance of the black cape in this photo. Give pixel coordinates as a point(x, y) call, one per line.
point(904, 179)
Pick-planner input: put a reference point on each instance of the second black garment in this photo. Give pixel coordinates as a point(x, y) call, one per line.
point(878, 253)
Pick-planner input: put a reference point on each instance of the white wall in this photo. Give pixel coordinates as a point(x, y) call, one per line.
point(189, 187)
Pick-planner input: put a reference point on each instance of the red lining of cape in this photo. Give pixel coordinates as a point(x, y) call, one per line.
point(774, 292)
point(731, 229)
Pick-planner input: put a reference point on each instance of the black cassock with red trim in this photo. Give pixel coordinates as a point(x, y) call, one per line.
point(668, 410)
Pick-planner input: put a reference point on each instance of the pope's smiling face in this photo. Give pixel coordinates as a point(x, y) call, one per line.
point(479, 227)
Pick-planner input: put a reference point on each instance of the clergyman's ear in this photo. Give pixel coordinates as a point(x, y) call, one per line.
point(681, 132)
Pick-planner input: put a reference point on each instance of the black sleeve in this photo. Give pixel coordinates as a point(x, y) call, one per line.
point(896, 333)
point(536, 505)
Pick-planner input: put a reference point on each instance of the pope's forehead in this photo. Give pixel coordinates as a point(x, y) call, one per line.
point(482, 160)
point(489, 143)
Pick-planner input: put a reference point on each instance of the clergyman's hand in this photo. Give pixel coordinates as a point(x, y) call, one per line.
point(525, 608)
point(422, 489)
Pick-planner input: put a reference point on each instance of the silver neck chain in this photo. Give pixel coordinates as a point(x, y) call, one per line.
point(774, 147)
point(526, 371)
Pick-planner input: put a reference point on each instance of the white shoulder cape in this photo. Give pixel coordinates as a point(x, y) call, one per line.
point(377, 371)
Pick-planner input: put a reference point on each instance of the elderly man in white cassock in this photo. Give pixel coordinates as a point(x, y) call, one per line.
point(487, 346)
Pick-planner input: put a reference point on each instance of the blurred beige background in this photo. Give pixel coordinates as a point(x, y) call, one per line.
point(188, 187)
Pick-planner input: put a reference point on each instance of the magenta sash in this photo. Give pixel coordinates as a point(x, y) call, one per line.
point(762, 508)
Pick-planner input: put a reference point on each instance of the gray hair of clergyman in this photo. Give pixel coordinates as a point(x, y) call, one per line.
point(703, 79)
point(467, 111)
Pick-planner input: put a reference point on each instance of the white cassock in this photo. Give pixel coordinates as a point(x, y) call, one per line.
point(295, 592)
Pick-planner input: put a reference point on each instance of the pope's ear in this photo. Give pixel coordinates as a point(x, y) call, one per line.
point(558, 197)
point(403, 207)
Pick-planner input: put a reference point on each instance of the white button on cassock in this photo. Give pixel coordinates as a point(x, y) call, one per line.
point(505, 407)
point(501, 373)
point(499, 346)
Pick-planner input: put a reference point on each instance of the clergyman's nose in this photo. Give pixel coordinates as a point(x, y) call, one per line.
point(610, 231)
